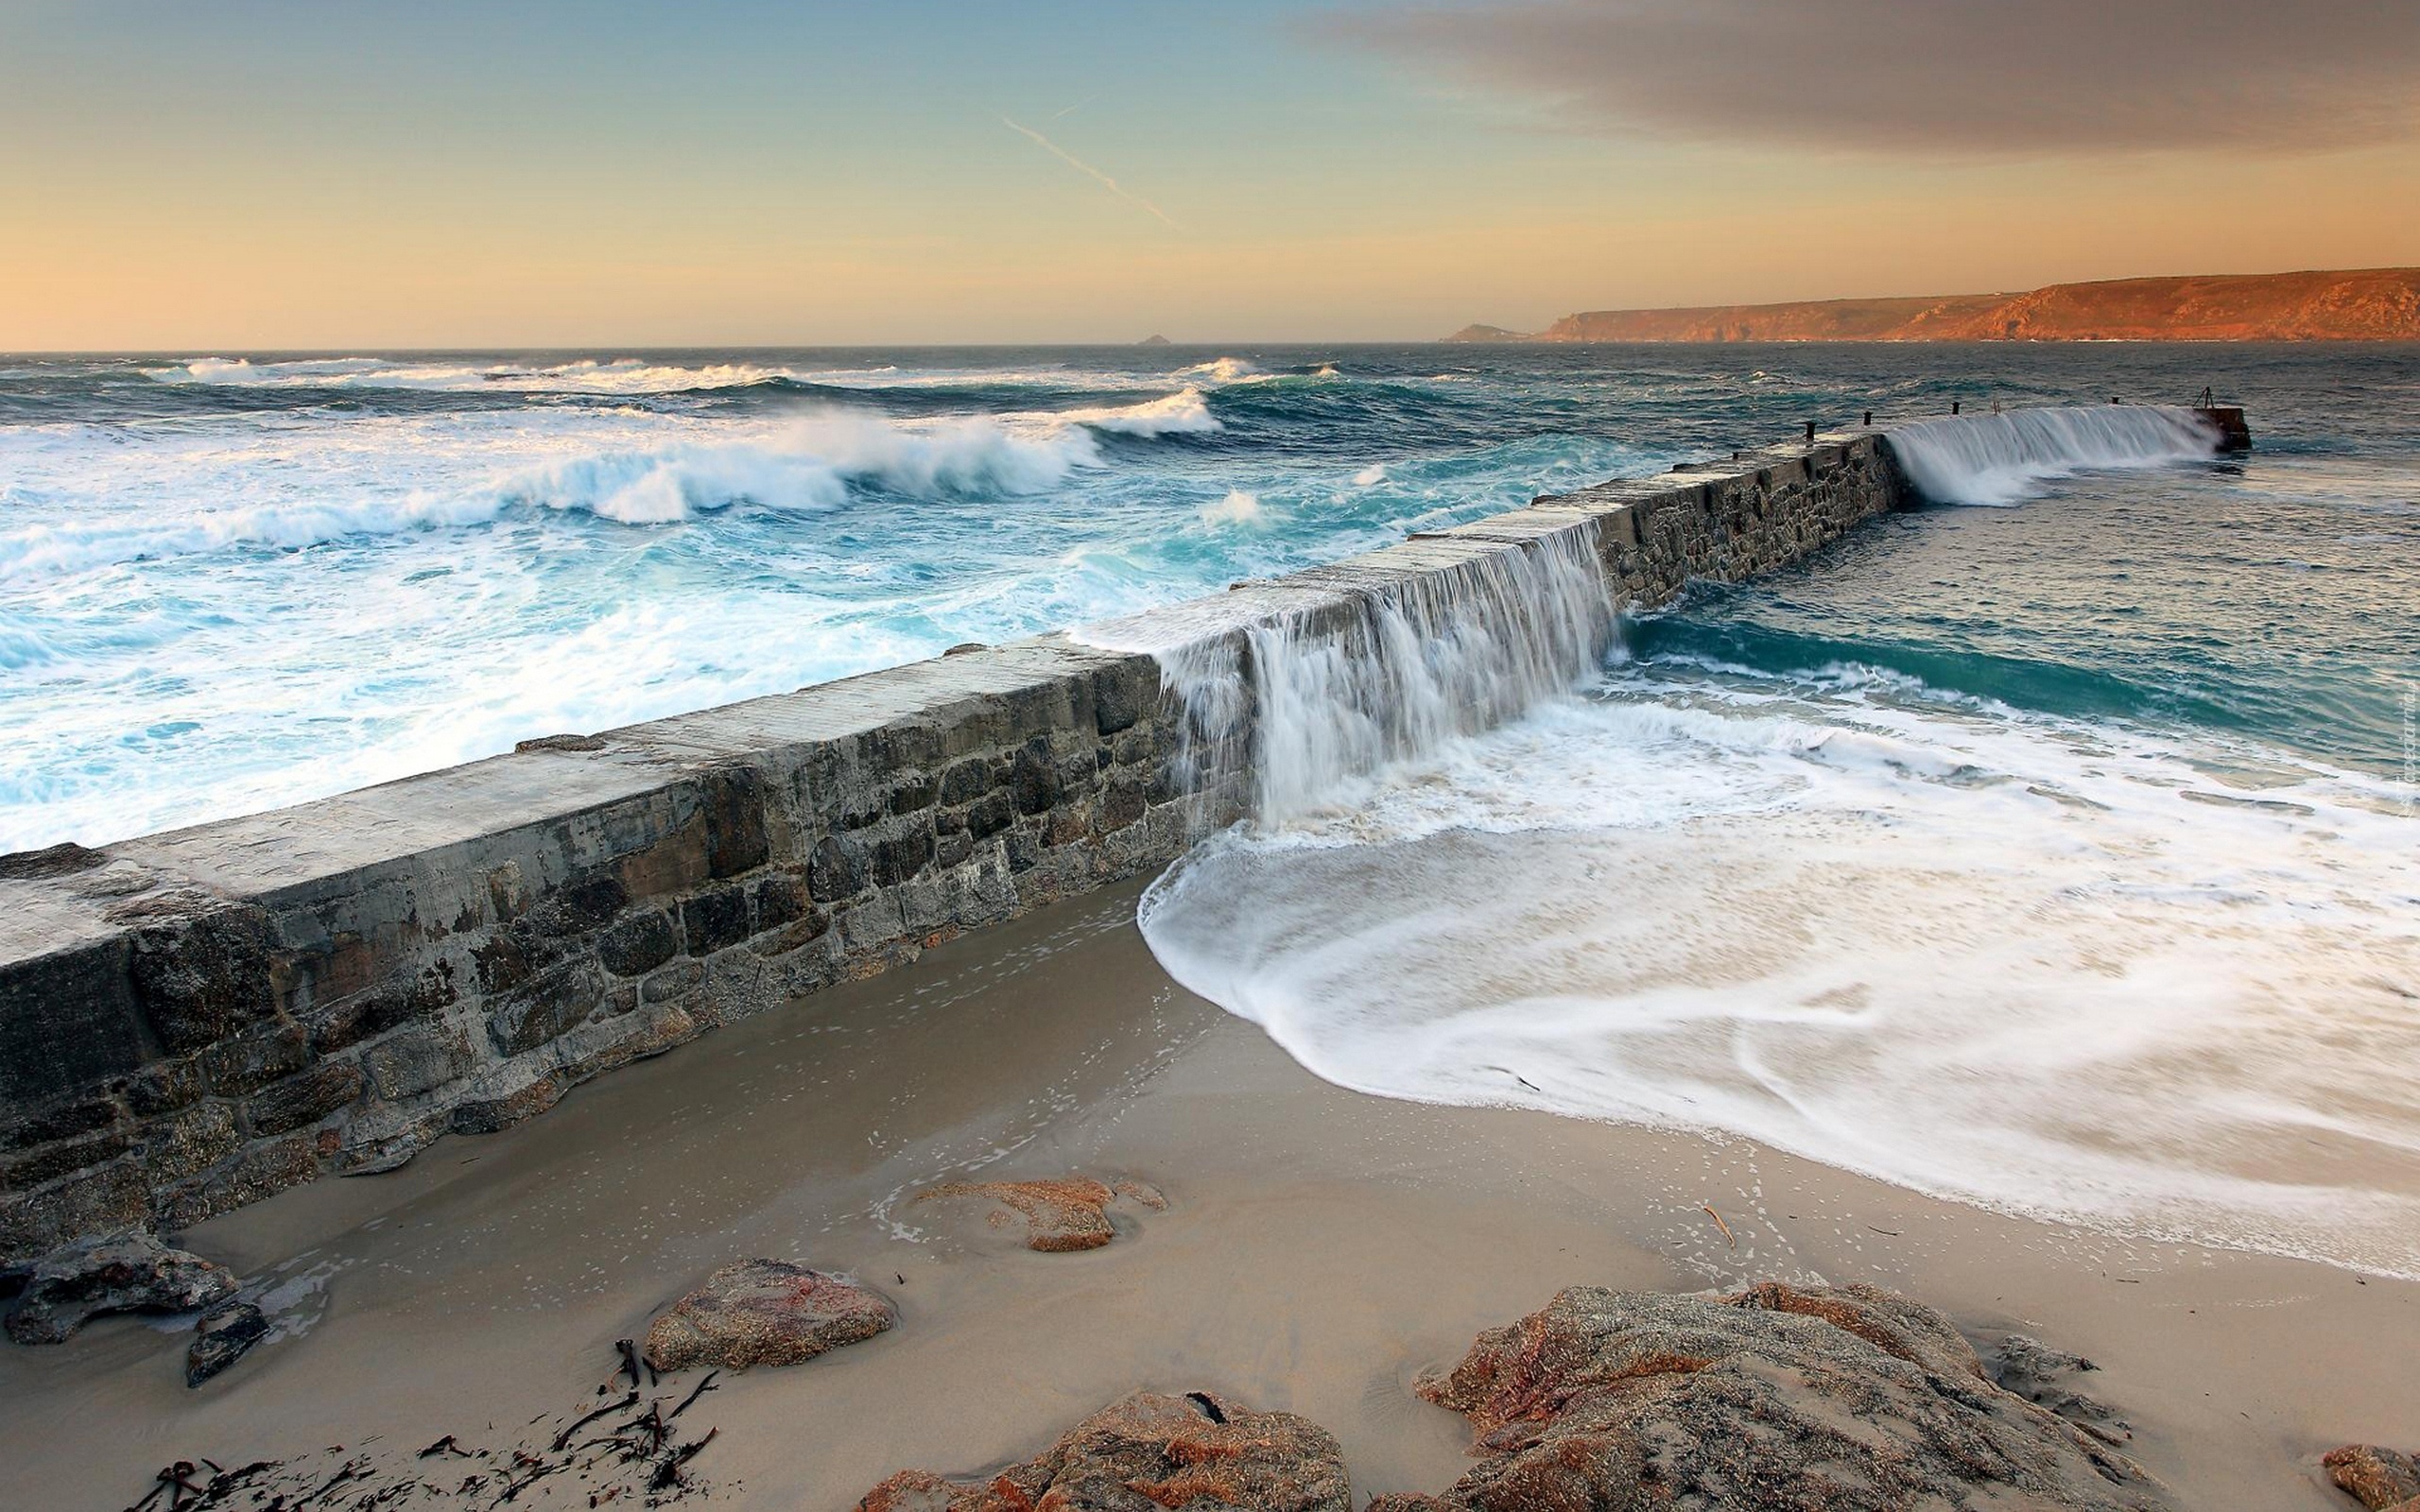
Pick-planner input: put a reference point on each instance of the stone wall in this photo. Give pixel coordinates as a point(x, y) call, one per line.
point(190, 1022)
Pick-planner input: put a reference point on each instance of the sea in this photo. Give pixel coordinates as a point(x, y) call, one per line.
point(2053, 848)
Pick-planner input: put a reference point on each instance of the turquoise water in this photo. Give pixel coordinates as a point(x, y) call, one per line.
point(229, 583)
point(2050, 849)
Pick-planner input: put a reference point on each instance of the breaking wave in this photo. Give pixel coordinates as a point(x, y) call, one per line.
point(813, 464)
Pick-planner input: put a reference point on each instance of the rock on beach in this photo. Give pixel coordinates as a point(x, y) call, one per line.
point(2383, 1480)
point(1148, 1451)
point(766, 1311)
point(135, 1273)
point(1773, 1398)
point(1059, 1215)
point(221, 1338)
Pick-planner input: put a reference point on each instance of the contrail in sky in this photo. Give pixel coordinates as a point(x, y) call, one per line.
point(1081, 166)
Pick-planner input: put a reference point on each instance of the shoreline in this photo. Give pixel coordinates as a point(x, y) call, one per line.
point(1321, 1249)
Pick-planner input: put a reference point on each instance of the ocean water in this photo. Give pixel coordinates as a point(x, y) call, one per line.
point(2050, 849)
point(2054, 849)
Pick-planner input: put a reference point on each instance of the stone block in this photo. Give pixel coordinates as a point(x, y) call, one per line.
point(424, 995)
point(303, 1100)
point(259, 1170)
point(671, 863)
point(792, 936)
point(161, 1087)
point(895, 858)
point(24, 1173)
point(914, 794)
point(544, 1007)
point(418, 1061)
point(832, 872)
point(966, 782)
point(677, 980)
point(201, 976)
point(1034, 783)
point(244, 1065)
point(371, 1144)
point(1119, 699)
point(189, 1143)
point(113, 1199)
point(733, 802)
point(486, 1112)
point(1124, 801)
point(578, 907)
point(780, 899)
point(716, 920)
point(638, 943)
point(996, 813)
point(63, 1120)
point(68, 1019)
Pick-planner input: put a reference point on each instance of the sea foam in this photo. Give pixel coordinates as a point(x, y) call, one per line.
point(2048, 966)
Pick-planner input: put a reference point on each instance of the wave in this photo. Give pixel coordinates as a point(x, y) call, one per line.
point(813, 468)
point(623, 375)
point(813, 464)
point(2045, 966)
point(1237, 509)
point(1222, 370)
point(1183, 413)
point(1999, 460)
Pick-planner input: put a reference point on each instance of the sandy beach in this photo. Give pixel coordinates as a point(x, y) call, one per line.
point(1320, 1248)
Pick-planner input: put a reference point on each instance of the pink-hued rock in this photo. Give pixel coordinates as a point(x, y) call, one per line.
point(1778, 1397)
point(2384, 1480)
point(766, 1311)
point(1059, 1215)
point(1149, 1451)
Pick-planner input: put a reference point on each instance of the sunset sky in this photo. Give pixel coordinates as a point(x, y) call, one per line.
point(258, 175)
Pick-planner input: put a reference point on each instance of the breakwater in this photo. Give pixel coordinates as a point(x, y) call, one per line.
point(192, 1021)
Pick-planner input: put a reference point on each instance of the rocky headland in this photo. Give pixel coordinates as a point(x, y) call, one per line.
point(2370, 304)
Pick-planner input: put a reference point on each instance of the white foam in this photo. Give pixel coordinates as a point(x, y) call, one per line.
point(1224, 370)
point(1237, 509)
point(2053, 968)
point(1315, 703)
point(614, 471)
point(623, 375)
point(1999, 460)
point(1182, 413)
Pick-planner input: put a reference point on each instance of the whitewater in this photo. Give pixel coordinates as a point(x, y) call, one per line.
point(2048, 849)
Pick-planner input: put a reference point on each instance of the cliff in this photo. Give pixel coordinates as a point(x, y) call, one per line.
point(2372, 304)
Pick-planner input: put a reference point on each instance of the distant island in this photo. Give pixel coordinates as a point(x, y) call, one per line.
point(2372, 304)
point(1153, 340)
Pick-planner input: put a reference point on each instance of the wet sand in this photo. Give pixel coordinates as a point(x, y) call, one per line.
point(1321, 1249)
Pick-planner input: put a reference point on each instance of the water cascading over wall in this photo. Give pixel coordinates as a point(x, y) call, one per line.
point(191, 1021)
point(1287, 715)
point(1988, 459)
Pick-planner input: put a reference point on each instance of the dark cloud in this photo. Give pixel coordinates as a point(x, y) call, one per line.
point(1963, 78)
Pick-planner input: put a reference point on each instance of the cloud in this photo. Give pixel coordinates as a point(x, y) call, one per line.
point(1081, 166)
point(1938, 77)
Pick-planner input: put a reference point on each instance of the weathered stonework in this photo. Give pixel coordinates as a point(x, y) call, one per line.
point(192, 1021)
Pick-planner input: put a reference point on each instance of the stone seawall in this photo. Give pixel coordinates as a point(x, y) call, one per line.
point(192, 1021)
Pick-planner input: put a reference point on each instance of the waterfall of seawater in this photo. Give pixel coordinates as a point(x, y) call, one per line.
point(1998, 459)
point(1300, 710)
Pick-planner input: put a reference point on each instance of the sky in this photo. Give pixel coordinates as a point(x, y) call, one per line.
point(261, 175)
